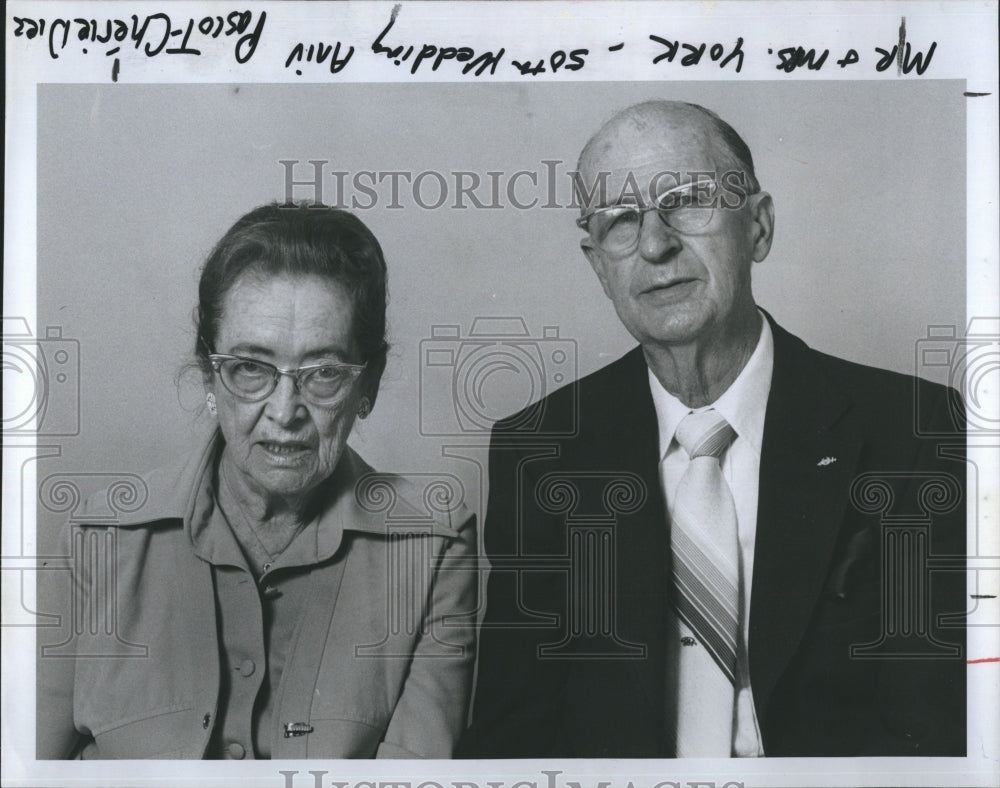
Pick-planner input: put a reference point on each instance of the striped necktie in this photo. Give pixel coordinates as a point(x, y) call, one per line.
point(705, 562)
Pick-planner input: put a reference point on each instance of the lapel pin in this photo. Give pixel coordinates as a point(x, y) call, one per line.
point(826, 461)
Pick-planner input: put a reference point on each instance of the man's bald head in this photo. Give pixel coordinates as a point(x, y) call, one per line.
point(690, 124)
point(675, 221)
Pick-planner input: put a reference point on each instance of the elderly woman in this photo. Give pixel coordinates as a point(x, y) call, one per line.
point(273, 597)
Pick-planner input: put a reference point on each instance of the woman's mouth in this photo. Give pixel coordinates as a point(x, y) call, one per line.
point(284, 449)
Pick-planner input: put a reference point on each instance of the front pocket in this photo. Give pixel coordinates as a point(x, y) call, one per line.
point(165, 733)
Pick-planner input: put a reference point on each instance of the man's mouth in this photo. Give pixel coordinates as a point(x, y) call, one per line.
point(666, 287)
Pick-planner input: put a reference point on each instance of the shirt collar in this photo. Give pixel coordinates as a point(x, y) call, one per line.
point(355, 499)
point(318, 540)
point(743, 404)
point(360, 499)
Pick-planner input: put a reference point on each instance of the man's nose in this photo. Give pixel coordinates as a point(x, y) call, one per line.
point(285, 404)
point(658, 242)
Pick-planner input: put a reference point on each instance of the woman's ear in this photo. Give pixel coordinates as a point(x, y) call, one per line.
point(371, 378)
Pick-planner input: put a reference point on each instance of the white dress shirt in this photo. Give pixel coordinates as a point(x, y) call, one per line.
point(743, 405)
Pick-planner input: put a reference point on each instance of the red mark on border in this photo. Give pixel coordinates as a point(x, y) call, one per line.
point(984, 659)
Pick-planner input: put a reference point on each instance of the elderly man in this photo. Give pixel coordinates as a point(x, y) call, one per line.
point(703, 568)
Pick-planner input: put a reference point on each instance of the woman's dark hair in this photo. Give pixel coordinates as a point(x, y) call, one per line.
point(299, 240)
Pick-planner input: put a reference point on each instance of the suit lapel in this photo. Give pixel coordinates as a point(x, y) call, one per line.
point(629, 442)
point(808, 460)
point(807, 463)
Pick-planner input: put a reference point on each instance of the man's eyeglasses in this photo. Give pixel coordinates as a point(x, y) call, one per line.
point(251, 380)
point(687, 208)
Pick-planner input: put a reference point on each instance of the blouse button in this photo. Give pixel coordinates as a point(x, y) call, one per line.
point(247, 667)
point(236, 750)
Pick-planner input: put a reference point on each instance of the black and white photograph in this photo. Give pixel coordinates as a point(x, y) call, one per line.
point(501, 394)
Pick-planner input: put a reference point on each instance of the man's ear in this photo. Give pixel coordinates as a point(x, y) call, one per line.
point(762, 224)
point(596, 262)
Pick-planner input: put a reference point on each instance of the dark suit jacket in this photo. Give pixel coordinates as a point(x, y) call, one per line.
point(573, 652)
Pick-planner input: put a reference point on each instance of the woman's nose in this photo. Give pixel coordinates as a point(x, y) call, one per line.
point(285, 402)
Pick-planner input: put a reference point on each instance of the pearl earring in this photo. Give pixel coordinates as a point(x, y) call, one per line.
point(210, 402)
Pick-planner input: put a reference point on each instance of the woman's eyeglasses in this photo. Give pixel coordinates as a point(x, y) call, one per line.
point(251, 380)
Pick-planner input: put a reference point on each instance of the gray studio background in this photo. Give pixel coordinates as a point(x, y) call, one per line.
point(136, 183)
